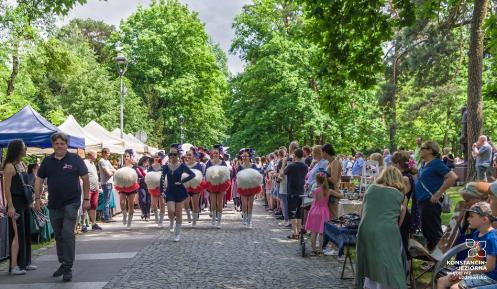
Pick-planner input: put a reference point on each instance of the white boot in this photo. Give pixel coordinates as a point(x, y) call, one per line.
point(189, 214)
point(249, 221)
point(171, 226)
point(214, 218)
point(244, 216)
point(130, 219)
point(219, 217)
point(194, 220)
point(177, 232)
point(156, 215)
point(124, 217)
point(161, 220)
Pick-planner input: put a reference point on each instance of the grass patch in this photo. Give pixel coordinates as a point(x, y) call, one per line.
point(37, 246)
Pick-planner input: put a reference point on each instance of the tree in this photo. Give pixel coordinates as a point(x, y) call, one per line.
point(174, 70)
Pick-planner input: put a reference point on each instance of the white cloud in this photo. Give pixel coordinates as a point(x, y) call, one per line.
point(217, 15)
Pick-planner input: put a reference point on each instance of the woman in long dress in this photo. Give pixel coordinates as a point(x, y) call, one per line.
point(381, 261)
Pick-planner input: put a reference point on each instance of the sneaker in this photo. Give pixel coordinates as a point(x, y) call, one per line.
point(17, 271)
point(67, 275)
point(59, 272)
point(330, 252)
point(177, 238)
point(218, 225)
point(249, 225)
point(84, 229)
point(96, 227)
point(31, 267)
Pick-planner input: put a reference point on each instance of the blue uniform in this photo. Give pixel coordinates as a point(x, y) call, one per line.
point(175, 193)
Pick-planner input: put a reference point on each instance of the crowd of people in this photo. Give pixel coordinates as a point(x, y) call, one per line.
point(300, 186)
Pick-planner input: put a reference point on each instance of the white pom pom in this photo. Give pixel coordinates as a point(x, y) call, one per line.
point(152, 179)
point(217, 175)
point(195, 182)
point(248, 179)
point(125, 177)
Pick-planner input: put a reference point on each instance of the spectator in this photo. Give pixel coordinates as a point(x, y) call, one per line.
point(17, 209)
point(346, 166)
point(358, 164)
point(32, 171)
point(295, 173)
point(91, 157)
point(307, 155)
point(448, 158)
point(387, 157)
point(482, 152)
point(434, 179)
point(379, 264)
point(334, 171)
point(485, 239)
point(320, 164)
point(63, 171)
point(319, 213)
point(378, 158)
point(106, 180)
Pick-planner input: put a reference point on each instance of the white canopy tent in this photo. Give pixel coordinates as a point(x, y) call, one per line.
point(130, 143)
point(115, 144)
point(92, 142)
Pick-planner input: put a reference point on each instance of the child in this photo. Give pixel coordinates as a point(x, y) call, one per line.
point(485, 249)
point(319, 213)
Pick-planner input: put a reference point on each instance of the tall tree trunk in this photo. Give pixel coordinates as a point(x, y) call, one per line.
point(391, 101)
point(447, 123)
point(475, 67)
point(15, 70)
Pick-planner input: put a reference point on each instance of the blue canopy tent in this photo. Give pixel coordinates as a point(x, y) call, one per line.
point(33, 129)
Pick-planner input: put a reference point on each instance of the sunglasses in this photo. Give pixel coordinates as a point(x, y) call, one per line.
point(173, 154)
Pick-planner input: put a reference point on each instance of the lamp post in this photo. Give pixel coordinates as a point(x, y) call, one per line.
point(181, 120)
point(121, 66)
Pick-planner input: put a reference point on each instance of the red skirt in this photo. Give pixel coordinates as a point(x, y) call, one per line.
point(154, 192)
point(250, 191)
point(221, 188)
point(128, 190)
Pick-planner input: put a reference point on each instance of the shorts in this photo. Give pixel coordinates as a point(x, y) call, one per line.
point(193, 194)
point(93, 199)
point(478, 280)
point(294, 207)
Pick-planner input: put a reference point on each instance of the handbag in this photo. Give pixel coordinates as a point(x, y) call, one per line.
point(28, 190)
point(446, 202)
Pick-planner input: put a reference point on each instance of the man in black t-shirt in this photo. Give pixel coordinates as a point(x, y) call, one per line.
point(295, 172)
point(63, 171)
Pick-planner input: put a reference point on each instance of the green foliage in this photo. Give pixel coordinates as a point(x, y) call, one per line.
point(175, 71)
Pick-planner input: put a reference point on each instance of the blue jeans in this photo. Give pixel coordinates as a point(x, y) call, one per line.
point(107, 189)
point(284, 206)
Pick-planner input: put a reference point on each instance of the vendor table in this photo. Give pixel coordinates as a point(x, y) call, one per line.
point(343, 238)
point(349, 206)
